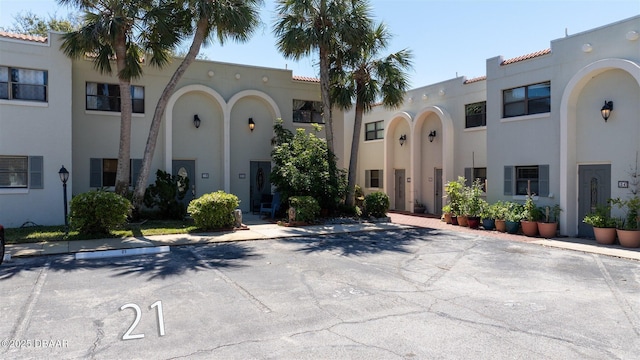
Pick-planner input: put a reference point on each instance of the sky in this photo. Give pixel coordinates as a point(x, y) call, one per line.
point(448, 38)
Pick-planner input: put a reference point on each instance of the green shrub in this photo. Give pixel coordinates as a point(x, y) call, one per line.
point(98, 212)
point(166, 193)
point(304, 166)
point(214, 210)
point(307, 208)
point(376, 204)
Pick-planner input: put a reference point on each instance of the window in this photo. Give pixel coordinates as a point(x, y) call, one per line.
point(23, 84)
point(475, 114)
point(307, 111)
point(373, 178)
point(471, 174)
point(374, 130)
point(527, 100)
point(517, 180)
point(103, 172)
point(21, 172)
point(106, 97)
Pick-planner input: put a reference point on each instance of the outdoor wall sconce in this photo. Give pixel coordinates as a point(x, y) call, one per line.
point(252, 125)
point(432, 135)
point(403, 139)
point(196, 121)
point(606, 109)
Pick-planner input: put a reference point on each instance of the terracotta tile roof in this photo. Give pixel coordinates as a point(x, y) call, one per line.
point(476, 79)
point(39, 39)
point(526, 57)
point(305, 78)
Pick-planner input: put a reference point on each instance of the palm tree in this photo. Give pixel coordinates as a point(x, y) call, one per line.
point(358, 73)
point(114, 30)
point(307, 26)
point(207, 20)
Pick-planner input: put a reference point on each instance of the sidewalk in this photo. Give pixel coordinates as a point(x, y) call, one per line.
point(262, 230)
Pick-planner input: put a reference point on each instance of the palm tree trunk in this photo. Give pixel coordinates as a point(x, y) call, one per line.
point(143, 178)
point(326, 101)
point(353, 158)
point(124, 150)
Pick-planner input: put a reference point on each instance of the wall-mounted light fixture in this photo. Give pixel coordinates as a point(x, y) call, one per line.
point(252, 125)
point(196, 121)
point(606, 109)
point(432, 135)
point(403, 139)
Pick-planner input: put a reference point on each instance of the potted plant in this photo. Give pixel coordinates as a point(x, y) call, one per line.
point(604, 226)
point(628, 229)
point(530, 217)
point(513, 216)
point(549, 226)
point(418, 207)
point(488, 218)
point(446, 214)
point(454, 192)
point(499, 212)
point(473, 204)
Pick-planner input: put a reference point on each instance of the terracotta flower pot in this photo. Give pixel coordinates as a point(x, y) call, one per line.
point(447, 218)
point(462, 220)
point(529, 228)
point(629, 238)
point(605, 236)
point(547, 230)
point(501, 225)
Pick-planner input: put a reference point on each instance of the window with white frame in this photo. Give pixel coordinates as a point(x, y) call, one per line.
point(21, 172)
point(527, 100)
point(374, 130)
point(373, 178)
point(518, 180)
point(306, 111)
point(473, 174)
point(23, 84)
point(106, 97)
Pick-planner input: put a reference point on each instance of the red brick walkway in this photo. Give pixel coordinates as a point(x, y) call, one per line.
point(429, 221)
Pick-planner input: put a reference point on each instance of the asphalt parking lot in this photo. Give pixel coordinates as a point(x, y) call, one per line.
point(400, 294)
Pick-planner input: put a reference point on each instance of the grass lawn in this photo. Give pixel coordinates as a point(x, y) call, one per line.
point(32, 234)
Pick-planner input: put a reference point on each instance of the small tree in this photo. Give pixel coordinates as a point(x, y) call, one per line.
point(166, 194)
point(303, 166)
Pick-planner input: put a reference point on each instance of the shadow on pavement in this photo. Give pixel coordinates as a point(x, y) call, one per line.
point(357, 244)
point(178, 261)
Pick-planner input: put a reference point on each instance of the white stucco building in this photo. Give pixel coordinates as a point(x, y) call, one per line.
point(532, 120)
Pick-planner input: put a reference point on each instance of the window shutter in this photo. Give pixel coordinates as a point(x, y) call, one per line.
point(367, 180)
point(468, 175)
point(95, 172)
point(36, 180)
point(381, 179)
point(136, 164)
point(543, 180)
point(508, 180)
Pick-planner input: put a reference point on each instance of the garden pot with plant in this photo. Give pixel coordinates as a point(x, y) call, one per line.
point(512, 217)
point(628, 229)
point(418, 207)
point(499, 211)
point(454, 192)
point(549, 227)
point(604, 226)
point(530, 217)
point(488, 219)
point(473, 204)
point(446, 214)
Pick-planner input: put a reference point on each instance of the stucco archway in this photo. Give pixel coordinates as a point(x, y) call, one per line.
point(568, 138)
point(168, 125)
point(444, 139)
point(390, 162)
